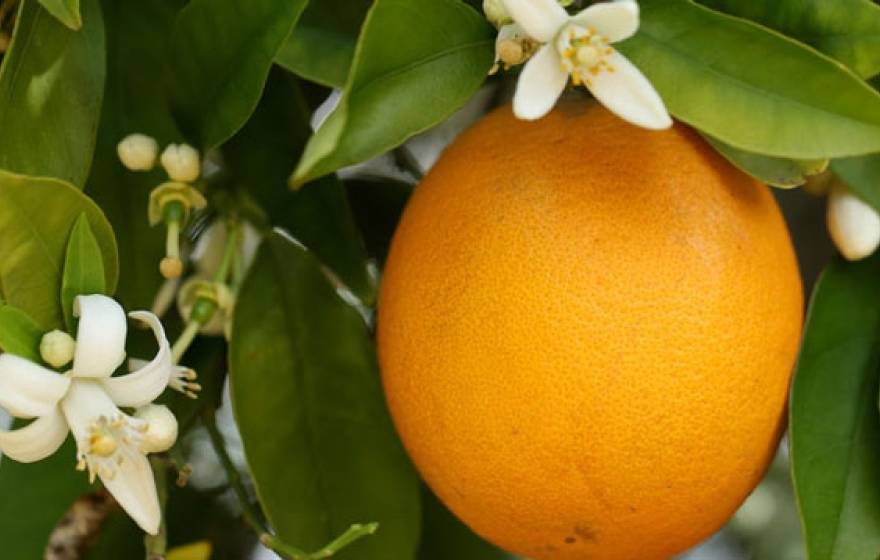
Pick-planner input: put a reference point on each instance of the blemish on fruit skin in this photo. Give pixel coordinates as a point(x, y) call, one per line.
point(585, 532)
point(570, 540)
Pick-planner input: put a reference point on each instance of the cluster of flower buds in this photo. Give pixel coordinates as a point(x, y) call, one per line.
point(171, 202)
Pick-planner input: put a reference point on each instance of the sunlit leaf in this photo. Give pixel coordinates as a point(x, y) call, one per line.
point(19, 334)
point(848, 30)
point(776, 172)
point(751, 87)
point(416, 62)
point(36, 217)
point(51, 86)
point(66, 11)
point(83, 268)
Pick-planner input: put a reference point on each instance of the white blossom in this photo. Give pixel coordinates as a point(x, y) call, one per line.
point(86, 401)
point(137, 152)
point(854, 225)
point(580, 47)
point(181, 162)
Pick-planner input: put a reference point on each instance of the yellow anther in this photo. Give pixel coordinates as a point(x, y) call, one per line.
point(611, 68)
point(102, 445)
point(569, 52)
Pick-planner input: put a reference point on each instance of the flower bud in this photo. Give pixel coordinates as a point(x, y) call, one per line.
point(56, 348)
point(496, 13)
point(854, 226)
point(161, 428)
point(137, 152)
point(181, 162)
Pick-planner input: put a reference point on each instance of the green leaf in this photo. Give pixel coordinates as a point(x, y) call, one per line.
point(416, 62)
point(446, 538)
point(136, 101)
point(36, 216)
point(51, 86)
point(308, 400)
point(83, 268)
point(259, 159)
point(861, 175)
point(732, 79)
point(35, 497)
point(65, 11)
point(848, 30)
point(321, 46)
point(776, 172)
point(835, 429)
point(221, 53)
point(19, 334)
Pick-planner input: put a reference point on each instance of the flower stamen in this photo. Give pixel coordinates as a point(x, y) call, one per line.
point(109, 441)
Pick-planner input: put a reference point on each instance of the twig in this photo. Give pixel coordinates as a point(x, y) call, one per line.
point(156, 545)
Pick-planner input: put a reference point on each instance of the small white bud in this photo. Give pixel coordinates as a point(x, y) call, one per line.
point(496, 13)
point(181, 162)
point(161, 428)
point(137, 152)
point(56, 348)
point(854, 226)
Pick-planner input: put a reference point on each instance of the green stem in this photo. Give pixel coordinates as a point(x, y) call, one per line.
point(252, 518)
point(228, 252)
point(156, 545)
point(184, 340)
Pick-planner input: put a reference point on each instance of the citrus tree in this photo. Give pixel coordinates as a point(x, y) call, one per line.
point(590, 338)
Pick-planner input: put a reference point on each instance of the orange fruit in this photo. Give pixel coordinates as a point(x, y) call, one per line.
point(586, 332)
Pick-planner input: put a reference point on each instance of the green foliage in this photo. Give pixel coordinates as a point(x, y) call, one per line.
point(221, 52)
point(776, 172)
point(848, 30)
point(861, 175)
point(35, 496)
point(321, 46)
point(19, 334)
point(36, 216)
point(66, 11)
point(745, 96)
point(416, 62)
point(83, 268)
point(260, 158)
point(835, 428)
point(136, 101)
point(51, 87)
point(308, 401)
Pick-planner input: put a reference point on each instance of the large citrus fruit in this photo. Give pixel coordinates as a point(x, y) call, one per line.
point(586, 332)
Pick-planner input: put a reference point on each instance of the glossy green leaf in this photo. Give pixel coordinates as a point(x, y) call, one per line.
point(19, 334)
point(416, 62)
point(36, 217)
point(776, 172)
point(308, 400)
point(444, 537)
point(35, 497)
point(221, 53)
point(848, 30)
point(751, 87)
point(51, 86)
point(136, 101)
point(835, 428)
point(861, 175)
point(259, 159)
point(321, 46)
point(83, 268)
point(65, 11)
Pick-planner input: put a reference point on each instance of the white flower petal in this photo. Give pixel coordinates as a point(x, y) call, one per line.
point(133, 484)
point(100, 338)
point(141, 387)
point(616, 20)
point(854, 225)
point(541, 19)
point(630, 95)
point(37, 440)
point(134, 488)
point(540, 84)
point(28, 390)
